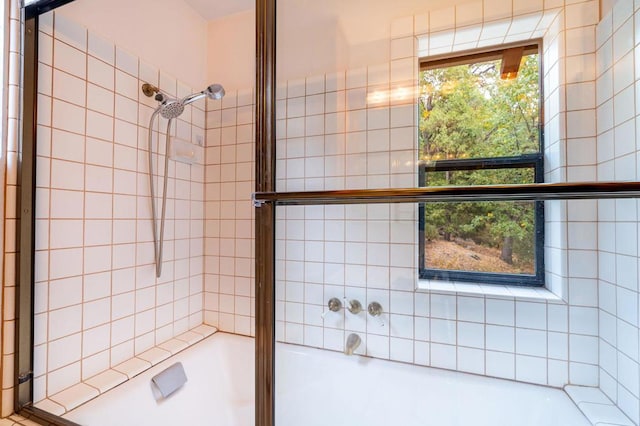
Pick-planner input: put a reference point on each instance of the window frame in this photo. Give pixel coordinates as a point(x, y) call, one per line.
point(533, 161)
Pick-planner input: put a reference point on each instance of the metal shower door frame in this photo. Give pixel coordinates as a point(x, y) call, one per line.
point(265, 167)
point(266, 200)
point(265, 219)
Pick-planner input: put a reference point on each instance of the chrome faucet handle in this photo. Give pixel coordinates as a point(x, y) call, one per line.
point(334, 305)
point(353, 306)
point(375, 310)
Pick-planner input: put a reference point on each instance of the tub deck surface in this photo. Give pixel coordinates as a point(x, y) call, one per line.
point(321, 388)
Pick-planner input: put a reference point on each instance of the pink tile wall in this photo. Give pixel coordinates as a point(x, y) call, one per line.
point(97, 300)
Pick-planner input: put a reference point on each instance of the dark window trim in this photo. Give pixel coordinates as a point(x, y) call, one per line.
point(476, 55)
point(515, 162)
point(43, 6)
point(534, 161)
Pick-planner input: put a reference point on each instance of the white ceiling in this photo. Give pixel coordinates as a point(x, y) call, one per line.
point(214, 9)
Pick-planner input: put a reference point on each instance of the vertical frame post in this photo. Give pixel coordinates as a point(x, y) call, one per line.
point(265, 212)
point(26, 207)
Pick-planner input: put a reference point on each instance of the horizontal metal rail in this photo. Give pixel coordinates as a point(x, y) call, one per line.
point(525, 192)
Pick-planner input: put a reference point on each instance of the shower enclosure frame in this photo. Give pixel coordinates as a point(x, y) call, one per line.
point(266, 199)
point(25, 208)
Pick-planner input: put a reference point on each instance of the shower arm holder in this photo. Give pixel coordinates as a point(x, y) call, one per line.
point(149, 90)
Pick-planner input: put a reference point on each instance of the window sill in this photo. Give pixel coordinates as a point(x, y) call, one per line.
point(492, 290)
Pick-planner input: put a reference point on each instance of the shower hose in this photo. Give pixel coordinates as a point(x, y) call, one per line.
point(158, 239)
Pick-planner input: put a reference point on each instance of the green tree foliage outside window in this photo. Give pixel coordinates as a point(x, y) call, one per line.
point(468, 111)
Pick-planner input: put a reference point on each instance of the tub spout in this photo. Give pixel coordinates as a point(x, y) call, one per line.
point(353, 341)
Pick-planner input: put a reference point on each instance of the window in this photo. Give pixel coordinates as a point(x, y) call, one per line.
point(480, 124)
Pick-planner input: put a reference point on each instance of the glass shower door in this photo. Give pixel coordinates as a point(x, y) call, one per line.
point(415, 312)
point(335, 289)
point(340, 102)
point(361, 340)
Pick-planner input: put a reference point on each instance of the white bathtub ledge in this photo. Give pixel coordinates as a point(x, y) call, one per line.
point(219, 390)
point(196, 334)
point(50, 407)
point(205, 330)
point(174, 346)
point(133, 367)
point(155, 355)
point(597, 407)
point(580, 394)
point(190, 337)
point(106, 380)
point(75, 395)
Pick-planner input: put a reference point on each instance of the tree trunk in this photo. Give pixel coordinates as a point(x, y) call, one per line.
point(507, 250)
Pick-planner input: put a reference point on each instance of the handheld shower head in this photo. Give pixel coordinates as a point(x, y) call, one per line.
point(215, 91)
point(171, 109)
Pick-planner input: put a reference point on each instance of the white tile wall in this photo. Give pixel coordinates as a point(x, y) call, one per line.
point(11, 119)
point(369, 253)
point(100, 303)
point(617, 82)
point(229, 302)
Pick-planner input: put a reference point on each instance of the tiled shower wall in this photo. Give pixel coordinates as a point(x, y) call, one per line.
point(12, 87)
point(229, 226)
point(97, 300)
point(356, 129)
point(617, 96)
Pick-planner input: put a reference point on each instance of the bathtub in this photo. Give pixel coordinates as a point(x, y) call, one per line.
point(219, 390)
point(321, 388)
